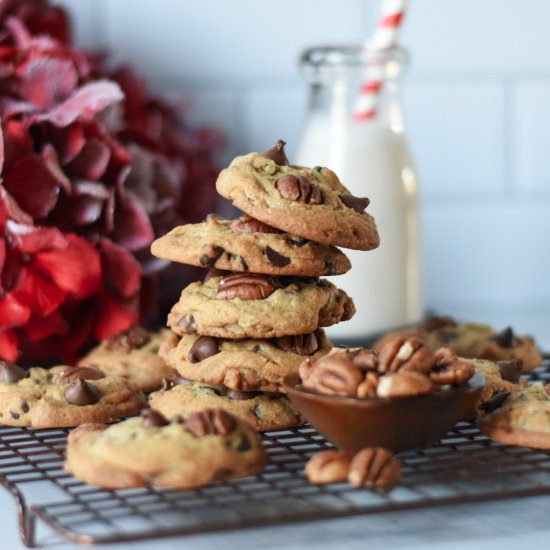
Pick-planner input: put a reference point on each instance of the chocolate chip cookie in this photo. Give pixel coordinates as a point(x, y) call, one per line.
point(308, 202)
point(132, 354)
point(247, 244)
point(474, 340)
point(522, 418)
point(246, 365)
point(258, 306)
point(154, 451)
point(262, 411)
point(63, 396)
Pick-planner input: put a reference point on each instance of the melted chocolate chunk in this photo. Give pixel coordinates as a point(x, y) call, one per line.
point(153, 419)
point(81, 393)
point(505, 338)
point(25, 407)
point(10, 373)
point(356, 203)
point(510, 370)
point(204, 346)
point(14, 415)
point(277, 153)
point(238, 395)
point(276, 259)
point(211, 255)
point(495, 402)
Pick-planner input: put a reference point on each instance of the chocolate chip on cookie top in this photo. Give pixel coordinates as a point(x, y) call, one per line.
point(10, 373)
point(81, 393)
point(277, 153)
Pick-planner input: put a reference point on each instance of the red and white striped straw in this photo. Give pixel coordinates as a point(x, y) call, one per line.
point(385, 37)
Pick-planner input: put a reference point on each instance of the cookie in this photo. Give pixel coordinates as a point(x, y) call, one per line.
point(153, 451)
point(245, 365)
point(311, 203)
point(523, 418)
point(262, 411)
point(502, 376)
point(63, 396)
point(474, 340)
point(132, 354)
point(258, 306)
point(246, 244)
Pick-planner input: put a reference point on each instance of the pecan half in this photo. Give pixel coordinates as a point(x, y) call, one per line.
point(71, 374)
point(375, 468)
point(365, 359)
point(210, 422)
point(443, 356)
point(367, 388)
point(299, 188)
point(302, 344)
point(334, 374)
point(128, 340)
point(455, 373)
point(248, 224)
point(403, 384)
point(328, 467)
point(405, 353)
point(249, 286)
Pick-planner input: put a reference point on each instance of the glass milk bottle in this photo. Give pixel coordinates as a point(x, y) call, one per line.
point(372, 159)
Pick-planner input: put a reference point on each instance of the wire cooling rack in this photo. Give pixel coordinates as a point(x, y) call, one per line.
point(465, 466)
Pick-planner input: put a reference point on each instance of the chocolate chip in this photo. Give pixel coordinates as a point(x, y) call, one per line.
point(505, 338)
point(210, 255)
point(133, 338)
point(25, 407)
point(187, 322)
point(297, 241)
point(10, 373)
point(14, 415)
point(356, 203)
point(436, 322)
point(278, 260)
point(244, 445)
point(81, 393)
point(277, 153)
point(510, 370)
point(495, 402)
point(153, 419)
point(256, 348)
point(204, 347)
point(238, 395)
point(244, 265)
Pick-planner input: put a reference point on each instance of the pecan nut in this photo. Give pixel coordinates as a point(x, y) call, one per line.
point(302, 344)
point(403, 384)
point(72, 374)
point(375, 468)
point(210, 422)
point(365, 359)
point(444, 356)
point(455, 373)
point(367, 388)
point(248, 224)
point(299, 188)
point(405, 353)
point(246, 287)
point(133, 338)
point(334, 374)
point(328, 467)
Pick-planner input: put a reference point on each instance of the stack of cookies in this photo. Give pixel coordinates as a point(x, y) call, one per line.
point(259, 311)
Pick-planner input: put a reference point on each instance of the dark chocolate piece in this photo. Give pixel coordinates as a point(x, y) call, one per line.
point(204, 346)
point(153, 419)
point(505, 338)
point(276, 259)
point(10, 373)
point(357, 203)
point(510, 370)
point(495, 402)
point(81, 393)
point(277, 153)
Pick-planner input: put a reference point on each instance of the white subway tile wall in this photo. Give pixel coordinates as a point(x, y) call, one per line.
point(477, 98)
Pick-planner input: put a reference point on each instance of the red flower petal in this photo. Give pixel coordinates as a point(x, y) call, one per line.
point(29, 240)
point(8, 346)
point(17, 142)
point(121, 271)
point(52, 164)
point(41, 327)
point(11, 208)
point(12, 313)
point(92, 161)
point(68, 141)
point(75, 269)
point(37, 292)
point(85, 103)
point(33, 186)
point(132, 225)
point(115, 316)
point(46, 80)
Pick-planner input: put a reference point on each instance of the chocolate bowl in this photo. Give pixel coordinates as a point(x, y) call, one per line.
point(397, 423)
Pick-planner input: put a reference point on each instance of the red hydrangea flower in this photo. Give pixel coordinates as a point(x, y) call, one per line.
point(92, 168)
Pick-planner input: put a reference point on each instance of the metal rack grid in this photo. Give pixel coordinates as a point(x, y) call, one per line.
point(465, 466)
